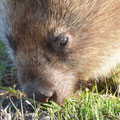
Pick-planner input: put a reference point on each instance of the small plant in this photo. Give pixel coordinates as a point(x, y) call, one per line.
point(3, 62)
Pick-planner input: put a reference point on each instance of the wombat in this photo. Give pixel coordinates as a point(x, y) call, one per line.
point(58, 43)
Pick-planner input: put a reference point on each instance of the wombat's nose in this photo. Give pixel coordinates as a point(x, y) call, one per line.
point(39, 93)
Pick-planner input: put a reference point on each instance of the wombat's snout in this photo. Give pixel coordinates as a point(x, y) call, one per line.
point(38, 92)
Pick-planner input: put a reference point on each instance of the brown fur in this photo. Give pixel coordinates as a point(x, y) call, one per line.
point(93, 51)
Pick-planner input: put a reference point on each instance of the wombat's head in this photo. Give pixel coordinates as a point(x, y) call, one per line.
point(56, 43)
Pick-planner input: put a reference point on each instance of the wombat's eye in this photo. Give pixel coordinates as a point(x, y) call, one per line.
point(60, 44)
point(62, 41)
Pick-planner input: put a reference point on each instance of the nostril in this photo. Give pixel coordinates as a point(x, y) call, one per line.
point(53, 97)
point(46, 92)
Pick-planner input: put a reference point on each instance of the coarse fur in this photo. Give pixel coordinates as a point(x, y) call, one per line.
point(92, 52)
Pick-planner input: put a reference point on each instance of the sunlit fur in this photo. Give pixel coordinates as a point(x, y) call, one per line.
point(94, 45)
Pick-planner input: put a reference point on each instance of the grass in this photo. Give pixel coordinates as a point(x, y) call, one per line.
point(84, 105)
point(3, 63)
